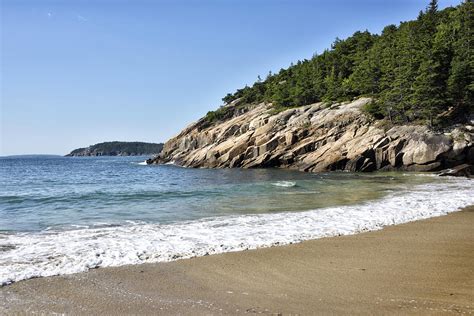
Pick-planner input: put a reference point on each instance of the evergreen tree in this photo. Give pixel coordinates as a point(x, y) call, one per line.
point(421, 70)
point(461, 73)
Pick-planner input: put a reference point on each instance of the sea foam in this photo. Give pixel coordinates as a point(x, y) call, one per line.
point(285, 184)
point(28, 255)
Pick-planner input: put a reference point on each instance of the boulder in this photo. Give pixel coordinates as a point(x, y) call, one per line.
point(424, 149)
point(464, 170)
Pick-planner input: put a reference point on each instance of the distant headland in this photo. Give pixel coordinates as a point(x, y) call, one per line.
point(117, 148)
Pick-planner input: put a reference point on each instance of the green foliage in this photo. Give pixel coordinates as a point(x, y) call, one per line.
point(116, 148)
point(374, 109)
point(217, 115)
point(416, 70)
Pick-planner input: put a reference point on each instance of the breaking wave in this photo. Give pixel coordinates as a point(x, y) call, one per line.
point(47, 253)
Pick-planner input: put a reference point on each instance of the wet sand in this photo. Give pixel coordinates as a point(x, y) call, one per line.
point(423, 267)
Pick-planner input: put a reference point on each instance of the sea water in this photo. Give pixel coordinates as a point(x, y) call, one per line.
point(61, 215)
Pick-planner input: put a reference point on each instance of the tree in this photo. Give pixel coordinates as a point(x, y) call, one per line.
point(419, 70)
point(460, 87)
point(432, 7)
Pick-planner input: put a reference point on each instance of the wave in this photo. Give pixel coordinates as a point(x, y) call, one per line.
point(117, 197)
point(29, 255)
point(173, 164)
point(141, 163)
point(285, 184)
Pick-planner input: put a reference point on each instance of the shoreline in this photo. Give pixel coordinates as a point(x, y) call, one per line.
point(423, 266)
point(43, 255)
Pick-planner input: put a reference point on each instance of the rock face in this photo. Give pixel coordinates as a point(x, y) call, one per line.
point(463, 170)
point(317, 137)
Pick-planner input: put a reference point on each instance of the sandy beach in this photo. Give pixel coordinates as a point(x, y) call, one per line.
point(423, 267)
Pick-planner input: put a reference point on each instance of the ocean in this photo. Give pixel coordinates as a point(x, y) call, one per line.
point(62, 215)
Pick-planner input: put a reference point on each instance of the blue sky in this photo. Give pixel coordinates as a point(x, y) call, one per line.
point(74, 73)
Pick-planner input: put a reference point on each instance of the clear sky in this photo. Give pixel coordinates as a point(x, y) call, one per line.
point(75, 73)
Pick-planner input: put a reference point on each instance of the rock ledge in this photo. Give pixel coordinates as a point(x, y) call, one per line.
point(317, 137)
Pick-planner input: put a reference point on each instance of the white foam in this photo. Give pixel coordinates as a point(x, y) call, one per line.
point(286, 184)
point(141, 163)
point(28, 255)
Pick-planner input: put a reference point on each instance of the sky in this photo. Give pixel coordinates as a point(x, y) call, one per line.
point(77, 72)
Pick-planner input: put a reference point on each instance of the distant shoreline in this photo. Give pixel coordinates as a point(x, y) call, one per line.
point(118, 148)
point(63, 156)
point(421, 266)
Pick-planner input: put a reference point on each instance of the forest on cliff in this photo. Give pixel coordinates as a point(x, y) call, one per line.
point(419, 71)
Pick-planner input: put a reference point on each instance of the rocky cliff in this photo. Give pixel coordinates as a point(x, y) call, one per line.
point(317, 137)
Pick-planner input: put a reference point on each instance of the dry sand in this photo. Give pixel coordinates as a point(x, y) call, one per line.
point(424, 267)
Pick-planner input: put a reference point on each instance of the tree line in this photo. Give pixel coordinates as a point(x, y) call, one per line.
point(117, 147)
point(419, 71)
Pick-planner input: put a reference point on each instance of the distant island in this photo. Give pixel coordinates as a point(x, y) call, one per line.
point(118, 149)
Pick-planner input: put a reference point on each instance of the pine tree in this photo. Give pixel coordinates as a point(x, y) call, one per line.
point(428, 91)
point(419, 70)
point(432, 7)
point(461, 76)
